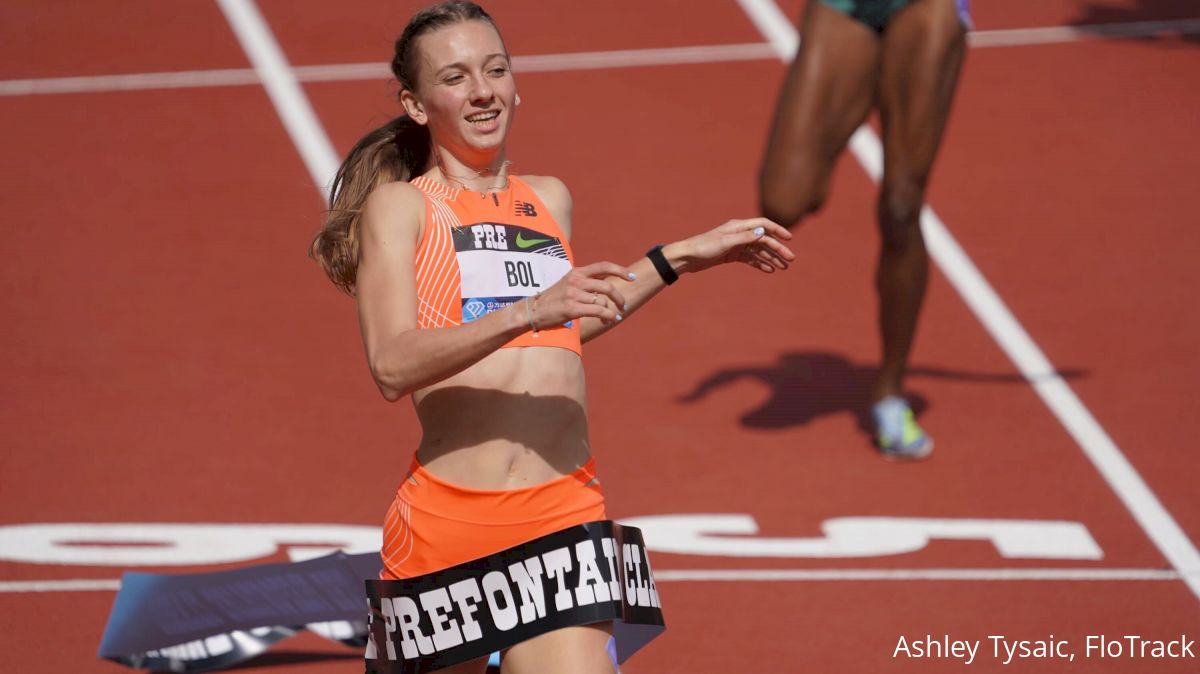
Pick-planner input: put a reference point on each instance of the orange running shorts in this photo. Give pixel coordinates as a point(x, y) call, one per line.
point(433, 524)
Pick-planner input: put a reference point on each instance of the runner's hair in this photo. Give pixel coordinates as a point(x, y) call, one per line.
point(397, 151)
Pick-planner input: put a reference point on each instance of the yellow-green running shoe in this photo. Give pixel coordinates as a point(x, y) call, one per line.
point(897, 433)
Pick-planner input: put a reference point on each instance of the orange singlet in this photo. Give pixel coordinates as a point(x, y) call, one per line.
point(478, 254)
point(481, 252)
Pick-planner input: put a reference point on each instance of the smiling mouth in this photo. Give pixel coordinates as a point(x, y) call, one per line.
point(483, 116)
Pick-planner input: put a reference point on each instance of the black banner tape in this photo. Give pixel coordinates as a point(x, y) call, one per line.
point(585, 574)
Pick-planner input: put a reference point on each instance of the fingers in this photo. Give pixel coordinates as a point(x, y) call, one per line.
point(602, 307)
point(765, 254)
point(600, 299)
point(589, 291)
point(761, 260)
point(609, 302)
point(603, 269)
point(777, 248)
point(763, 250)
point(774, 253)
point(769, 227)
point(775, 229)
point(582, 303)
point(767, 261)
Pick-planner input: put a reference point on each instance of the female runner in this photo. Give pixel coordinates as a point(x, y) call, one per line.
point(469, 301)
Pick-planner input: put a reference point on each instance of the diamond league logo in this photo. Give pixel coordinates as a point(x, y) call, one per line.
point(473, 309)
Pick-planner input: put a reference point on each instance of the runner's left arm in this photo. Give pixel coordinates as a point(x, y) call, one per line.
point(757, 242)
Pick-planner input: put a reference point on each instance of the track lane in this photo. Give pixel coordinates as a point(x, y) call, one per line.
point(93, 37)
point(1090, 242)
point(320, 32)
point(856, 628)
point(155, 360)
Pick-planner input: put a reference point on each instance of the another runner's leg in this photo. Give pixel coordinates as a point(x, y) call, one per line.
point(923, 49)
point(828, 92)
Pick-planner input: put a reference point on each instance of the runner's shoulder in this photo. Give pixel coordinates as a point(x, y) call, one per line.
point(552, 191)
point(555, 195)
point(395, 207)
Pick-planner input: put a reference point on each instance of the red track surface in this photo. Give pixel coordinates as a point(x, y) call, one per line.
point(170, 355)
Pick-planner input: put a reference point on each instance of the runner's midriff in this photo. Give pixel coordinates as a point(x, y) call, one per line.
point(515, 419)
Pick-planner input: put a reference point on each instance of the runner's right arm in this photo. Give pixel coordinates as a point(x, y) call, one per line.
point(404, 358)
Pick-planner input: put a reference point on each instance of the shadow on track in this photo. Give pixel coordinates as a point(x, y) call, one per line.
point(1094, 16)
point(811, 384)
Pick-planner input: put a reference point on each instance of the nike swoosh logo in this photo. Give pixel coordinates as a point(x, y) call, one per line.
point(522, 242)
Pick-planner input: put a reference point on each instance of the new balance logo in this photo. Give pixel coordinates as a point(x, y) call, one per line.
point(525, 208)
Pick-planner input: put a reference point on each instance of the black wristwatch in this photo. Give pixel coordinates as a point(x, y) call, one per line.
point(660, 263)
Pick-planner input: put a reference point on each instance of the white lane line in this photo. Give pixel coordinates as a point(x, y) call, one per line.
point(760, 575)
point(593, 60)
point(816, 575)
point(983, 300)
point(626, 58)
point(343, 72)
point(774, 26)
point(74, 585)
point(186, 79)
point(643, 57)
point(285, 92)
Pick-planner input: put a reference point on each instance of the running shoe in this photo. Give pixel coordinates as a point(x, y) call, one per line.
point(897, 433)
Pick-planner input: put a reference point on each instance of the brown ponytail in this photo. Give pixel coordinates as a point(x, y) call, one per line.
point(397, 151)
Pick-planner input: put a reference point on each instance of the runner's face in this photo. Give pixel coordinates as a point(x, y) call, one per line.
point(466, 87)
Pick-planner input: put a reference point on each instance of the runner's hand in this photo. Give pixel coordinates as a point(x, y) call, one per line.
point(755, 242)
point(584, 291)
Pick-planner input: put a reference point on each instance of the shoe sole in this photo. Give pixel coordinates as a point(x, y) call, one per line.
point(916, 454)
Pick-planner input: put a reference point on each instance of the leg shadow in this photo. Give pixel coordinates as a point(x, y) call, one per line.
point(812, 384)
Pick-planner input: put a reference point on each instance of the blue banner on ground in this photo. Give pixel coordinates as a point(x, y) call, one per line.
point(208, 621)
